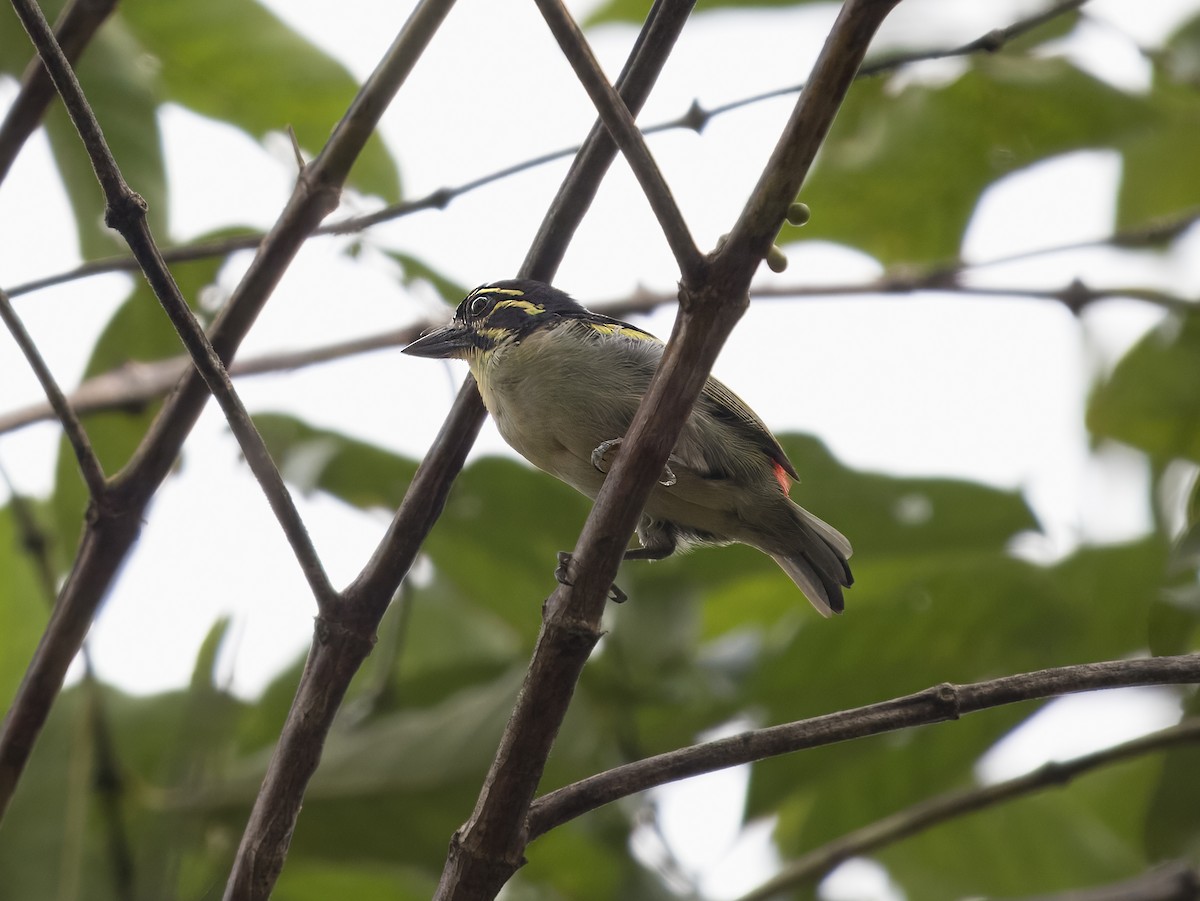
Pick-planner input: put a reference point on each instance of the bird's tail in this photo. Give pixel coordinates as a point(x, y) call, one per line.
point(816, 562)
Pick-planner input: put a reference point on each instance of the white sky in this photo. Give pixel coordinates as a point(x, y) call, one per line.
point(987, 390)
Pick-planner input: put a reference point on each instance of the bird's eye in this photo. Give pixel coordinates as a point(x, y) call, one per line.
point(479, 305)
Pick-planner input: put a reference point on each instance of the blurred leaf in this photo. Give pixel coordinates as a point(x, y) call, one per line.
point(1085, 833)
point(635, 11)
point(1158, 178)
point(138, 332)
point(122, 92)
point(312, 880)
point(235, 61)
point(415, 270)
point(24, 609)
point(313, 459)
point(887, 148)
point(957, 619)
point(1150, 400)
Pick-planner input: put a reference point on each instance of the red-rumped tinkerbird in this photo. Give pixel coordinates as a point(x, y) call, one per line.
point(563, 384)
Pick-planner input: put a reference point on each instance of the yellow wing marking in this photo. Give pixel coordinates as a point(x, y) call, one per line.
point(622, 329)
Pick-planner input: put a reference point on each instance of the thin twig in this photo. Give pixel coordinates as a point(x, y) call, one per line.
point(934, 705)
point(488, 849)
point(695, 118)
point(624, 131)
point(89, 463)
point(76, 27)
point(106, 541)
point(926, 814)
point(135, 384)
point(126, 211)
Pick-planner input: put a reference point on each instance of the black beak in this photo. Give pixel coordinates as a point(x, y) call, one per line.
point(451, 341)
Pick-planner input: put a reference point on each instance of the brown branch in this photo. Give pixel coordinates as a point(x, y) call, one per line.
point(489, 848)
point(624, 131)
point(89, 463)
point(815, 864)
point(1175, 881)
point(126, 212)
point(109, 535)
point(76, 27)
point(694, 119)
point(343, 636)
point(108, 781)
point(933, 705)
point(135, 384)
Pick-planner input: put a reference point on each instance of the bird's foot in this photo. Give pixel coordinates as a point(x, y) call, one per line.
point(563, 575)
point(601, 464)
point(601, 451)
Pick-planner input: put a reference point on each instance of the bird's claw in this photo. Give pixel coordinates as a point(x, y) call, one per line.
point(600, 464)
point(601, 451)
point(562, 574)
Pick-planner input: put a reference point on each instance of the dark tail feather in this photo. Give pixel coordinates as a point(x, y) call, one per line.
point(818, 566)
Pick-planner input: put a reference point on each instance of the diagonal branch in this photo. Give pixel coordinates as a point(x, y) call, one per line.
point(107, 540)
point(933, 705)
point(489, 848)
point(344, 635)
point(810, 867)
point(126, 212)
point(76, 27)
point(620, 124)
point(694, 119)
point(89, 463)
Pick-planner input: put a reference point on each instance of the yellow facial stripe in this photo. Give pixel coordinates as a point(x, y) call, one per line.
point(528, 306)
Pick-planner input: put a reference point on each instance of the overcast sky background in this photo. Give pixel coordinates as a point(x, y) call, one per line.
point(991, 390)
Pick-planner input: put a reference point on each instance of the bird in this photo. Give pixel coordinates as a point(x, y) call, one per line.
point(563, 383)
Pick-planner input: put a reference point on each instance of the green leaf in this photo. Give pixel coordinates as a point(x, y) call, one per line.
point(1150, 400)
point(313, 459)
point(415, 270)
point(235, 61)
point(123, 95)
point(138, 332)
point(314, 880)
point(918, 161)
point(24, 608)
point(1083, 834)
point(635, 11)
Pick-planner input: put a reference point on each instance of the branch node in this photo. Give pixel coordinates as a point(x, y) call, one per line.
point(125, 210)
point(695, 118)
point(948, 697)
point(327, 630)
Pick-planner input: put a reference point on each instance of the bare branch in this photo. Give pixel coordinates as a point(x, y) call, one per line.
point(107, 540)
point(89, 463)
point(934, 705)
point(342, 638)
point(695, 118)
point(817, 863)
point(486, 851)
point(1175, 881)
point(77, 25)
point(620, 124)
point(126, 211)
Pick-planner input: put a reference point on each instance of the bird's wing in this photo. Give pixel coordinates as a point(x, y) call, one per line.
point(723, 405)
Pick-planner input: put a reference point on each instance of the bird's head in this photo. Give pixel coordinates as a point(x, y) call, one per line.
point(495, 314)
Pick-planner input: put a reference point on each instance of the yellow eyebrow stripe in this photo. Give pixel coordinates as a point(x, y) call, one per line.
point(488, 289)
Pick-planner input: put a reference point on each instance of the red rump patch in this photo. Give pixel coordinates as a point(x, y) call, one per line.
point(781, 476)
